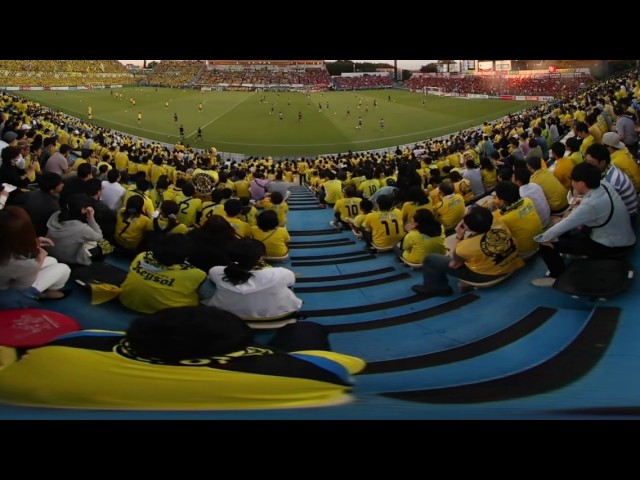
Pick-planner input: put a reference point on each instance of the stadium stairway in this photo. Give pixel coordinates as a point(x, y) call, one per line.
point(508, 352)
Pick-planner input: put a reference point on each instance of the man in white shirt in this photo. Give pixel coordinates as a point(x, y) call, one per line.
point(601, 210)
point(533, 191)
point(112, 192)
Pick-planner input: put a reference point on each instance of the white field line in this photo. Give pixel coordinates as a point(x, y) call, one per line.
point(219, 116)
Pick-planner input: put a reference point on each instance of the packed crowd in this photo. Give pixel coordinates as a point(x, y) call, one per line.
point(544, 85)
point(175, 74)
point(363, 82)
point(310, 77)
point(52, 73)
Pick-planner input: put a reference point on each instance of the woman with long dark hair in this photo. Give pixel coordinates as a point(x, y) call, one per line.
point(426, 236)
point(211, 242)
point(248, 289)
point(131, 223)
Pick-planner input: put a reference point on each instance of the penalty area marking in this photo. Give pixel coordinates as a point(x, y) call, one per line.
point(220, 116)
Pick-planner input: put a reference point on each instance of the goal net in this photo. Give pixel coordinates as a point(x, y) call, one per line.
point(432, 91)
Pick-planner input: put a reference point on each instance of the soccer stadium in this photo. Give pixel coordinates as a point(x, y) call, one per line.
point(274, 239)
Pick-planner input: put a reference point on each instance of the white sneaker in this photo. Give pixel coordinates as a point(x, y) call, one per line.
point(333, 224)
point(543, 282)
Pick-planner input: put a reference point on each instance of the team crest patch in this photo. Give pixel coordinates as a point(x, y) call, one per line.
point(203, 183)
point(497, 244)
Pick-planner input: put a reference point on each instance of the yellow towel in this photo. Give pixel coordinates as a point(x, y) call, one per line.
point(103, 292)
point(8, 355)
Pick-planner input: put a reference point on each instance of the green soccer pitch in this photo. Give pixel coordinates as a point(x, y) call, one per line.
point(237, 122)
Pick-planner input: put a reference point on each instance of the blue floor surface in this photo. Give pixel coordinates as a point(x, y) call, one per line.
point(510, 352)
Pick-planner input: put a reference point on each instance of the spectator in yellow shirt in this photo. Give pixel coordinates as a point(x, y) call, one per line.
point(564, 165)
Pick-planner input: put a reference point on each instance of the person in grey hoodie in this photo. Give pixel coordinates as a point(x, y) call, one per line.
point(75, 233)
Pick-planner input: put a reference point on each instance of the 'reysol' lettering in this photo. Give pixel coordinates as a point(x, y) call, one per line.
point(153, 277)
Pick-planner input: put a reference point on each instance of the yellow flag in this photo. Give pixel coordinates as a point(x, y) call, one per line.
point(103, 292)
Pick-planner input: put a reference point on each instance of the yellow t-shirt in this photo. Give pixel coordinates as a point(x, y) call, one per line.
point(625, 162)
point(143, 167)
point(491, 253)
point(576, 157)
point(242, 228)
point(162, 225)
point(596, 133)
point(454, 159)
point(188, 209)
point(586, 143)
point(523, 223)
point(208, 209)
point(77, 163)
point(449, 211)
point(348, 207)
point(242, 188)
point(156, 172)
point(148, 207)
point(32, 175)
point(302, 167)
point(359, 220)
point(416, 246)
point(369, 187)
point(409, 209)
point(121, 160)
point(97, 370)
point(150, 286)
point(385, 226)
point(553, 190)
point(276, 241)
point(463, 188)
point(130, 232)
point(281, 209)
point(333, 189)
point(158, 196)
point(251, 217)
point(489, 178)
point(564, 167)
